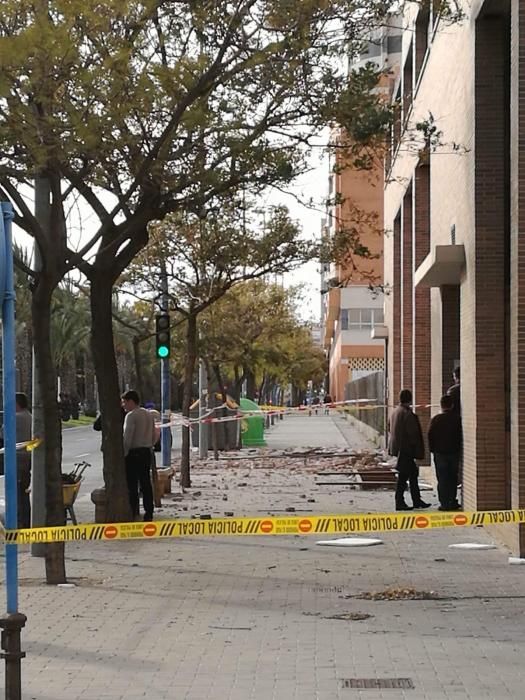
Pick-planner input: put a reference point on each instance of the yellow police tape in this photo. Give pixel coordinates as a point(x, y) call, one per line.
point(337, 523)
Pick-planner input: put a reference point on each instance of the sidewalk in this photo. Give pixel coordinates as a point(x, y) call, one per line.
point(276, 618)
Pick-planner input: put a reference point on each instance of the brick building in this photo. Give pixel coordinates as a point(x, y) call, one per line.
point(455, 253)
point(350, 310)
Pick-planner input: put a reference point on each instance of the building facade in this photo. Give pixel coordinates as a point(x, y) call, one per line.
point(352, 292)
point(454, 211)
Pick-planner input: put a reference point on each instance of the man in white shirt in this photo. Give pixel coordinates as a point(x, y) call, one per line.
point(139, 438)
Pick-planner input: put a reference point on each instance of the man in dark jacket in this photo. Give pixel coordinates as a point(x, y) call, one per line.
point(444, 440)
point(406, 443)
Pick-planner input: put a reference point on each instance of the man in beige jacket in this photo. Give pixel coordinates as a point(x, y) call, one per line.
point(139, 438)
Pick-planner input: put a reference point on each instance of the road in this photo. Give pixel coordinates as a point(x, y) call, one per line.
point(83, 444)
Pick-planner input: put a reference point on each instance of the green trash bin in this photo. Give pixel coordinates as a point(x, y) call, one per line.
point(252, 427)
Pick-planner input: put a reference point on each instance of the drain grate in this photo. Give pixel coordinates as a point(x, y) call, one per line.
point(373, 683)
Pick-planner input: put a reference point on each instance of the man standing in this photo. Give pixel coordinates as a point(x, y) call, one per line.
point(139, 438)
point(406, 443)
point(23, 460)
point(444, 440)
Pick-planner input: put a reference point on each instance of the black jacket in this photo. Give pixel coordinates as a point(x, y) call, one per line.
point(444, 433)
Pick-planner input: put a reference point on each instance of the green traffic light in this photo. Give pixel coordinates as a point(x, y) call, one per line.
point(163, 351)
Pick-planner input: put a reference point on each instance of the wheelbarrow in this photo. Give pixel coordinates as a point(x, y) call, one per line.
point(70, 488)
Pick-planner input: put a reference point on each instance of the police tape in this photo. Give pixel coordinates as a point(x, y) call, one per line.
point(336, 523)
point(240, 415)
point(178, 421)
point(28, 445)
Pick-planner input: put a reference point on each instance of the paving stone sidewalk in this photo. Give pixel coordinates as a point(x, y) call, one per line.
point(276, 618)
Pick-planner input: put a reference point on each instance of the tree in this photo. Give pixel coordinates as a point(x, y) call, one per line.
point(141, 108)
point(204, 257)
point(254, 334)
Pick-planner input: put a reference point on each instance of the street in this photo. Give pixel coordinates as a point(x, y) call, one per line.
point(83, 444)
point(274, 618)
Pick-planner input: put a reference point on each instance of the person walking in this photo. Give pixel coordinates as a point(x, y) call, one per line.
point(23, 459)
point(406, 443)
point(139, 439)
point(444, 440)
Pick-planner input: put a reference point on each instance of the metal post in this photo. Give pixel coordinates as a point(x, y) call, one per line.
point(385, 393)
point(38, 465)
point(203, 408)
point(13, 621)
point(165, 398)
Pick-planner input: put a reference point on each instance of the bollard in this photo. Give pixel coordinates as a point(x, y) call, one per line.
point(11, 625)
point(98, 497)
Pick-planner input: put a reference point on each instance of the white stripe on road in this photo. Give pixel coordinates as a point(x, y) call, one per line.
point(84, 454)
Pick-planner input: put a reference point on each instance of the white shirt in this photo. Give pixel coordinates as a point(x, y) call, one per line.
point(139, 429)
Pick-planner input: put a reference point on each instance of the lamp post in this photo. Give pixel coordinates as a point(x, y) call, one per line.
point(380, 332)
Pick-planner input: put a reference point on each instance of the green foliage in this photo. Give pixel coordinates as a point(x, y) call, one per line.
point(255, 328)
point(204, 257)
point(70, 324)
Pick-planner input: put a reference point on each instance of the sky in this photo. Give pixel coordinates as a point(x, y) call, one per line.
point(312, 186)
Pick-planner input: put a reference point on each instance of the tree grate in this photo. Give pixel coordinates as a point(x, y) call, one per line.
point(374, 683)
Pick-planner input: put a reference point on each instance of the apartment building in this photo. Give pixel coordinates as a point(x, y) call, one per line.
point(352, 304)
point(455, 252)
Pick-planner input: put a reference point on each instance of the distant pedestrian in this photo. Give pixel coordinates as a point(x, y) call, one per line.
point(327, 402)
point(444, 440)
point(406, 443)
point(23, 459)
point(97, 425)
point(455, 391)
point(139, 438)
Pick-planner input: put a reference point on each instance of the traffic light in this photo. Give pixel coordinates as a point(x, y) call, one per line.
point(162, 335)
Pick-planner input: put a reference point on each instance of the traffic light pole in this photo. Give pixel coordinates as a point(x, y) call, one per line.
point(13, 621)
point(203, 407)
point(165, 398)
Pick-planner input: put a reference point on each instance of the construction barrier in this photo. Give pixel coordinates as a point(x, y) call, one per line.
point(337, 523)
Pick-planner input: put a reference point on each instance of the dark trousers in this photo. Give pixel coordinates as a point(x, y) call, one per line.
point(138, 464)
point(447, 470)
point(407, 470)
point(23, 478)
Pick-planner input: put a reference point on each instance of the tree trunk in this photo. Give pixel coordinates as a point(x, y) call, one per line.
point(220, 382)
point(118, 507)
point(262, 389)
point(89, 385)
point(52, 444)
point(68, 376)
point(251, 387)
point(189, 368)
point(237, 385)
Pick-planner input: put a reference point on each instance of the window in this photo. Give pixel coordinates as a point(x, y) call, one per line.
point(343, 319)
point(362, 319)
point(366, 318)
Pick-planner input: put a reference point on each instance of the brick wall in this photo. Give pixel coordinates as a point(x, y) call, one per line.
point(396, 310)
point(421, 312)
point(486, 466)
point(407, 292)
point(516, 536)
